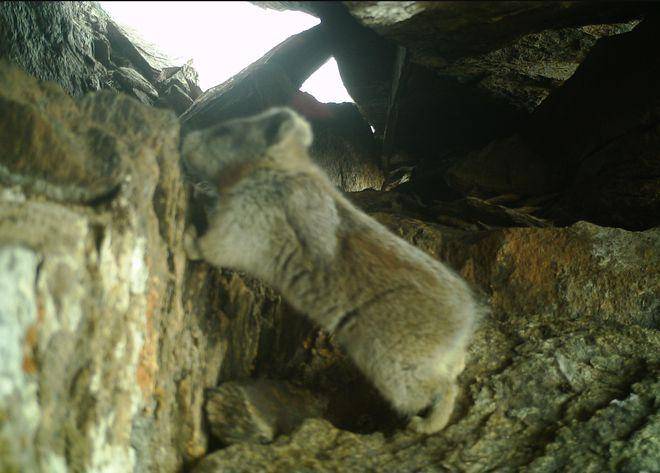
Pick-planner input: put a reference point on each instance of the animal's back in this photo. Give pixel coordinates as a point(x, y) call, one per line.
point(403, 317)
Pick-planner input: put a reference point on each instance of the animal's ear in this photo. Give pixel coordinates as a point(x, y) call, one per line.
point(197, 163)
point(284, 126)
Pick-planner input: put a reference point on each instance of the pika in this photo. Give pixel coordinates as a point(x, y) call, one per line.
point(403, 317)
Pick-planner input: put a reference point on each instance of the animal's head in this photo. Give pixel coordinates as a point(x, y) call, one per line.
point(278, 136)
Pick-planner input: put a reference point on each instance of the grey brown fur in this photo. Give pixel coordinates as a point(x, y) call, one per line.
point(403, 317)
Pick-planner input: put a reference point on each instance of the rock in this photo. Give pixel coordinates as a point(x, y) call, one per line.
point(482, 213)
point(102, 372)
point(452, 30)
point(49, 41)
point(18, 390)
point(507, 165)
point(467, 214)
point(81, 48)
point(526, 70)
point(131, 79)
point(475, 74)
point(61, 155)
point(594, 140)
point(343, 143)
point(176, 99)
point(185, 77)
point(111, 339)
point(563, 272)
point(619, 184)
point(155, 70)
point(259, 410)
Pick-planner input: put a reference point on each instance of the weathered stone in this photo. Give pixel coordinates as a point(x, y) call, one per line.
point(176, 99)
point(185, 77)
point(526, 70)
point(49, 148)
point(476, 72)
point(130, 79)
point(450, 30)
point(19, 413)
point(466, 214)
point(503, 166)
point(103, 372)
point(601, 102)
point(580, 272)
point(343, 143)
point(595, 140)
point(50, 42)
point(619, 184)
point(78, 46)
point(259, 410)
point(110, 339)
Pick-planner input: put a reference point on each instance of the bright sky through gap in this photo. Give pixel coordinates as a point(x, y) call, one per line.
point(223, 38)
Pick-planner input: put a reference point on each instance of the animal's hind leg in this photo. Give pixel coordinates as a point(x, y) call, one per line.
point(439, 413)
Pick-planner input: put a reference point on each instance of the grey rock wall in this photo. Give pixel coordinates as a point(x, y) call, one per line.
point(102, 369)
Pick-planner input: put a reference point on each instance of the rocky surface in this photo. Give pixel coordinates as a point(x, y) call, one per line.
point(258, 410)
point(345, 148)
point(77, 45)
point(270, 81)
point(595, 140)
point(105, 370)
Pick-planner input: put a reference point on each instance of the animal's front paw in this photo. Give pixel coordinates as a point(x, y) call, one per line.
point(418, 425)
point(190, 245)
point(438, 415)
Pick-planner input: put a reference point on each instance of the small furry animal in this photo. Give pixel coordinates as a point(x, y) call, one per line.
point(403, 317)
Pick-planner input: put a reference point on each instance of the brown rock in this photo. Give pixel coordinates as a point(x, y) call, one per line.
point(259, 410)
point(102, 366)
point(606, 275)
point(59, 154)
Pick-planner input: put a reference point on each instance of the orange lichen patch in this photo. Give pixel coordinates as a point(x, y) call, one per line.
point(147, 363)
point(29, 364)
point(31, 336)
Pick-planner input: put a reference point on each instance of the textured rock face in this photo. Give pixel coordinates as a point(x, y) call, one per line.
point(102, 373)
point(77, 45)
point(346, 149)
point(595, 140)
point(450, 30)
point(270, 81)
point(258, 410)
